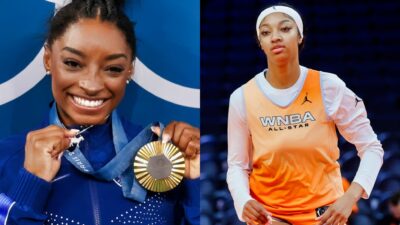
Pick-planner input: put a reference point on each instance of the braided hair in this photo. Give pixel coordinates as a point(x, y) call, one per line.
point(106, 10)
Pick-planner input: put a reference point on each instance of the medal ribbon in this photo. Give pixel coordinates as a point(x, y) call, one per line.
point(122, 164)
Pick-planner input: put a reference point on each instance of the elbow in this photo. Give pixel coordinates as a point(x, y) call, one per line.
point(373, 148)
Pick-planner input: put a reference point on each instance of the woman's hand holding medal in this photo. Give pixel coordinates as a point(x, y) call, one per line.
point(187, 139)
point(43, 150)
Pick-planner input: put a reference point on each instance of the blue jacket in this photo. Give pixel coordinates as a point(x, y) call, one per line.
point(76, 198)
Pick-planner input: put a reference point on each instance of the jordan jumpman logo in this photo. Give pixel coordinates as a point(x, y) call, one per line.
point(306, 99)
point(357, 101)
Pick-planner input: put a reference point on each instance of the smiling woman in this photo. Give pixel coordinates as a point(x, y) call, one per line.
point(89, 75)
point(282, 143)
point(88, 55)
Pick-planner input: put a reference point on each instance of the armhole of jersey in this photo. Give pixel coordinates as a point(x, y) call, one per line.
point(323, 96)
point(250, 144)
point(244, 107)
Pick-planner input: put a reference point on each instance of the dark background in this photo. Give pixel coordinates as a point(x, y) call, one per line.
point(357, 40)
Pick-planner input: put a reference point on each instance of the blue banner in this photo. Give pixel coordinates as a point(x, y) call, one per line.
point(167, 69)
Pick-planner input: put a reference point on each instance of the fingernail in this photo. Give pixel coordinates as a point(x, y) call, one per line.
point(153, 128)
point(60, 155)
point(166, 138)
point(73, 131)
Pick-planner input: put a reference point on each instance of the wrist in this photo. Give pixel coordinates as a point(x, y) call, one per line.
point(46, 177)
point(355, 191)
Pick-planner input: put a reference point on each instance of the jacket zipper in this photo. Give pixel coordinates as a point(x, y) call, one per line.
point(93, 195)
point(95, 203)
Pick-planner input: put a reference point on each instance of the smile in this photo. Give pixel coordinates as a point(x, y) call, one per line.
point(87, 103)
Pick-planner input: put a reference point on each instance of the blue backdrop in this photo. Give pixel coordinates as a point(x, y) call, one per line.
point(167, 70)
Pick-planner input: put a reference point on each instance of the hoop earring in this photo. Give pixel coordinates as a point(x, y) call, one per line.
point(127, 81)
point(47, 72)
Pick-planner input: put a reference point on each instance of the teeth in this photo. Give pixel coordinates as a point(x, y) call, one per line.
point(87, 103)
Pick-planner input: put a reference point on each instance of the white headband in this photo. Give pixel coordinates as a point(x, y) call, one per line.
point(282, 9)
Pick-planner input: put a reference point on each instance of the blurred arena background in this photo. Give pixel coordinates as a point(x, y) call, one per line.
point(357, 40)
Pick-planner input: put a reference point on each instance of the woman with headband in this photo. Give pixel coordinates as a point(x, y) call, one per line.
point(282, 143)
point(46, 179)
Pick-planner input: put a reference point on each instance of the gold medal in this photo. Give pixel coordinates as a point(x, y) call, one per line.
point(159, 167)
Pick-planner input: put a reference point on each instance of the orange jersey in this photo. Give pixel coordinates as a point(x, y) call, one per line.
point(295, 151)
